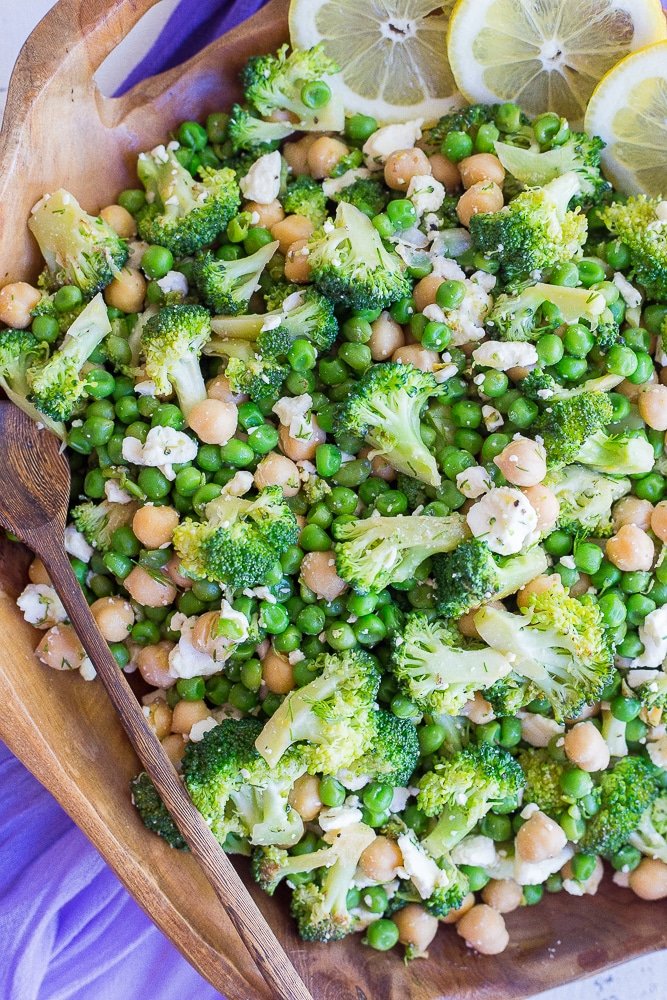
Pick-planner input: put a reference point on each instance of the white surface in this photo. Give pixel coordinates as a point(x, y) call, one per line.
point(643, 979)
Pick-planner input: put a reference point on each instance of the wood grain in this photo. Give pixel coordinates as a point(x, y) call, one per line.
point(63, 728)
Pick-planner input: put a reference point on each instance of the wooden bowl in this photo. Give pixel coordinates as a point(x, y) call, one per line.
point(59, 130)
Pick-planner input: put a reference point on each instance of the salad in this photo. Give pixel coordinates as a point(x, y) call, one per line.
point(366, 426)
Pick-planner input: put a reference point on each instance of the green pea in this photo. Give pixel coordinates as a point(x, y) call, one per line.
point(578, 340)
point(583, 866)
point(510, 732)
point(644, 369)
point(625, 709)
point(402, 310)
point(566, 275)
point(457, 146)
point(654, 317)
point(436, 336)
point(237, 453)
point(382, 935)
point(311, 621)
point(117, 564)
point(360, 127)
point(576, 783)
point(125, 542)
point(314, 539)
point(431, 738)
point(496, 383)
point(558, 543)
point(191, 688)
point(571, 369)
point(331, 792)
point(45, 329)
point(574, 827)
point(532, 894)
point(486, 137)
point(353, 473)
point(257, 238)
point(132, 200)
point(145, 633)
point(156, 262)
point(217, 689)
point(193, 135)
point(68, 297)
point(153, 483)
point(508, 117)
point(402, 213)
point(392, 503)
point(377, 797)
point(546, 126)
point(588, 557)
point(403, 708)
point(498, 828)
point(591, 272)
point(626, 859)
point(243, 699)
point(488, 732)
point(168, 415)
point(357, 356)
point(315, 94)
point(635, 731)
point(523, 412)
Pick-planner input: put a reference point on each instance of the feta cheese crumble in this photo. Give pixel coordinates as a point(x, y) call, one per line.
point(262, 182)
point(653, 634)
point(504, 519)
point(41, 606)
point(293, 412)
point(474, 482)
point(163, 448)
point(387, 140)
point(503, 355)
point(425, 193)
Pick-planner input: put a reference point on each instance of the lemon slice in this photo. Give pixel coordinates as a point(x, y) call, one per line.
point(629, 110)
point(392, 54)
point(546, 56)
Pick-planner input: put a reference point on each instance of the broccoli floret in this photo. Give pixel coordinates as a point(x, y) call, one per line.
point(350, 264)
point(181, 213)
point(625, 793)
point(227, 285)
point(461, 120)
point(586, 499)
point(566, 425)
point(414, 490)
point(394, 751)
point(79, 249)
point(435, 668)
point(543, 388)
point(513, 316)
point(508, 695)
point(637, 223)
point(240, 540)
point(19, 350)
point(259, 377)
point(461, 790)
point(650, 686)
point(275, 83)
point(333, 714)
point(366, 194)
point(154, 813)
point(558, 643)
point(245, 131)
point(59, 386)
point(650, 837)
point(543, 775)
point(471, 575)
point(98, 521)
point(304, 196)
point(321, 910)
point(535, 231)
point(607, 333)
point(47, 307)
point(374, 552)
point(172, 342)
point(384, 408)
point(617, 455)
point(580, 153)
point(234, 789)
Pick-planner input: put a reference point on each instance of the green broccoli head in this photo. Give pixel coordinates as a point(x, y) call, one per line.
point(374, 552)
point(394, 751)
point(154, 813)
point(580, 154)
point(183, 214)
point(471, 575)
point(543, 776)
point(304, 196)
point(226, 286)
point(566, 425)
point(240, 541)
point(461, 790)
point(234, 789)
point(275, 83)
point(384, 408)
point(19, 351)
point(436, 670)
point(350, 264)
point(650, 837)
point(624, 794)
point(637, 223)
point(172, 342)
point(558, 644)
point(333, 714)
point(535, 231)
point(508, 695)
point(463, 120)
point(97, 522)
point(365, 193)
point(247, 132)
point(586, 499)
point(515, 317)
point(650, 686)
point(79, 249)
point(259, 377)
point(59, 386)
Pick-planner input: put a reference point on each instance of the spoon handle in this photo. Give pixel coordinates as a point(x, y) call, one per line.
point(250, 925)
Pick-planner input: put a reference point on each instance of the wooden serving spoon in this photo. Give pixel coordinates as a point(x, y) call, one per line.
point(34, 495)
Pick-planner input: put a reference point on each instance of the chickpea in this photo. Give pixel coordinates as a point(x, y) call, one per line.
point(630, 549)
point(481, 167)
point(522, 462)
point(454, 916)
point(580, 586)
point(318, 571)
point(127, 291)
point(416, 927)
point(290, 229)
point(297, 268)
point(503, 894)
point(296, 154)
point(380, 859)
point(591, 885)
point(17, 300)
point(632, 510)
point(146, 590)
point(174, 747)
point(114, 617)
point(278, 470)
point(387, 337)
point(218, 388)
point(159, 718)
point(37, 572)
point(324, 154)
point(379, 466)
point(466, 625)
point(537, 586)
point(305, 797)
point(298, 449)
point(483, 929)
point(658, 523)
point(480, 198)
point(120, 221)
point(649, 879)
point(478, 710)
point(153, 664)
point(425, 291)
point(403, 165)
point(269, 214)
point(652, 405)
point(186, 714)
point(584, 745)
point(60, 648)
point(631, 391)
point(413, 354)
point(546, 505)
point(540, 838)
point(277, 672)
point(445, 171)
point(208, 638)
point(213, 421)
point(155, 526)
point(173, 571)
